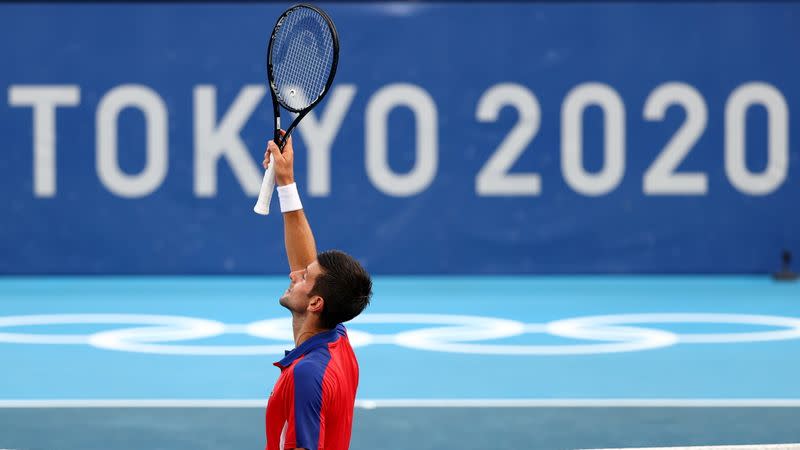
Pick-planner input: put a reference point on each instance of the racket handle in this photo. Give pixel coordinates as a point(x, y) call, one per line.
point(267, 187)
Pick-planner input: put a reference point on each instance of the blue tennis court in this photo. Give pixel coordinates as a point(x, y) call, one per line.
point(179, 357)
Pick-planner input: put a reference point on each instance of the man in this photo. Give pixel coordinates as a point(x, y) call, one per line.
point(311, 406)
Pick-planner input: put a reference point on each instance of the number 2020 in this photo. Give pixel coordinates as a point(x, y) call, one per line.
point(662, 177)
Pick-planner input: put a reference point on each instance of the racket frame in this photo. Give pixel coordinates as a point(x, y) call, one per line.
point(276, 103)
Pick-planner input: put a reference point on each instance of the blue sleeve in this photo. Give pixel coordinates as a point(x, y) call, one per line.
point(308, 419)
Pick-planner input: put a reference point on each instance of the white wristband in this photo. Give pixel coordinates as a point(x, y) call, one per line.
point(289, 198)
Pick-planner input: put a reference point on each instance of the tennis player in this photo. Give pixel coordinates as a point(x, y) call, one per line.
point(311, 405)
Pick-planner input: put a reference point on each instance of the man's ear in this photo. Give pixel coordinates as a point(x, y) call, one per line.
point(316, 304)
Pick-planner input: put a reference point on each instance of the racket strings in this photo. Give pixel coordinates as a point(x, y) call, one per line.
point(302, 58)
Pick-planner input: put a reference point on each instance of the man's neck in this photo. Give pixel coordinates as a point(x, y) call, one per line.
point(304, 328)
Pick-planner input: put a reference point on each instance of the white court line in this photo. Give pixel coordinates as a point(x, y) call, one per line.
point(724, 447)
point(421, 403)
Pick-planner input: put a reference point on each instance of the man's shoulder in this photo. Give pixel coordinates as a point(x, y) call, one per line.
point(312, 364)
point(318, 359)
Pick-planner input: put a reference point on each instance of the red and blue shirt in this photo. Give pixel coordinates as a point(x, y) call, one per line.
point(312, 403)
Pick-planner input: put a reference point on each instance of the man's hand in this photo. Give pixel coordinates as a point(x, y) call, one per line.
point(284, 162)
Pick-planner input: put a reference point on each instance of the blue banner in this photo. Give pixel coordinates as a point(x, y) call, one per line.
point(457, 138)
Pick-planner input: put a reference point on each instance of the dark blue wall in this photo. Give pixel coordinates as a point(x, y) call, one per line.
point(721, 79)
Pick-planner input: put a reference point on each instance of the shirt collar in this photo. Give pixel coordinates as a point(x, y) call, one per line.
point(318, 340)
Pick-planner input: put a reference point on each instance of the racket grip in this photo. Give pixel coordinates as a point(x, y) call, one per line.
point(265, 195)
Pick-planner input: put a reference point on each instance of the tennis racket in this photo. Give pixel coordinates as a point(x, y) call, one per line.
point(301, 62)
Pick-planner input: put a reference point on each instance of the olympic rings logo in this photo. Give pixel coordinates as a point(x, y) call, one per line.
point(167, 335)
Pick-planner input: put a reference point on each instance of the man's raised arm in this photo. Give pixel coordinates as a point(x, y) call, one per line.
point(301, 250)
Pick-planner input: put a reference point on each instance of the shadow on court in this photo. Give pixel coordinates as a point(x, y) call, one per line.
point(400, 428)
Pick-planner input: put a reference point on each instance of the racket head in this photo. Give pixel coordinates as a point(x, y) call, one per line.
point(302, 57)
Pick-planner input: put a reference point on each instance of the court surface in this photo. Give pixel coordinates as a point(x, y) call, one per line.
point(467, 362)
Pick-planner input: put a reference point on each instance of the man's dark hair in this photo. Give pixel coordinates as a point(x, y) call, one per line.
point(344, 285)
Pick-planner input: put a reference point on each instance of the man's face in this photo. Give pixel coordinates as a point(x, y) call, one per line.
point(297, 296)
